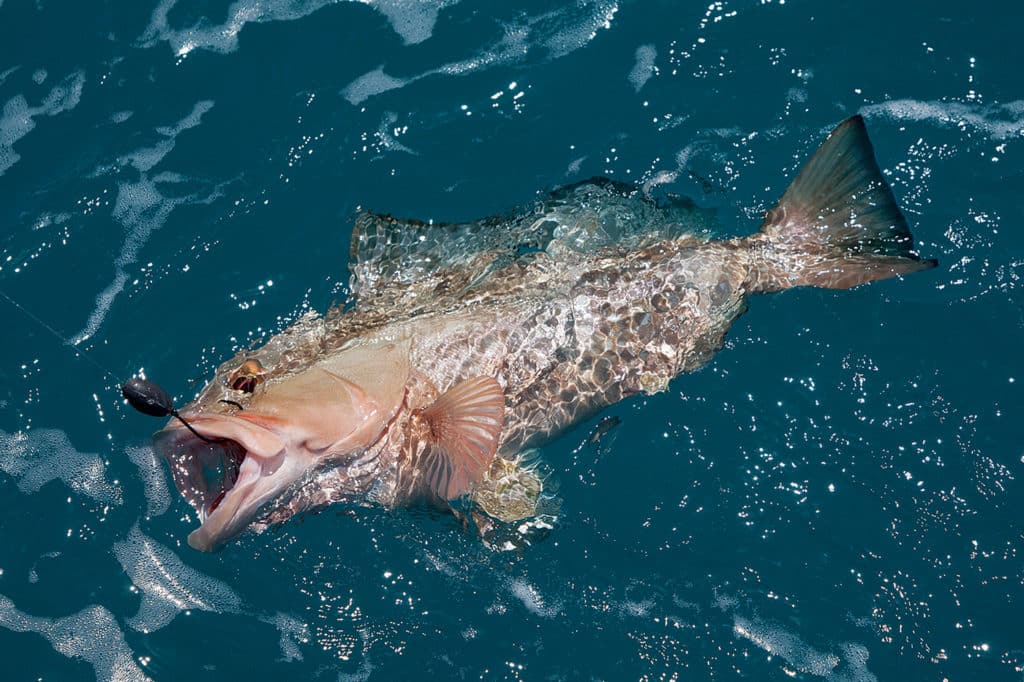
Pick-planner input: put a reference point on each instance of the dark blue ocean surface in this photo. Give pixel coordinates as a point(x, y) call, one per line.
point(836, 496)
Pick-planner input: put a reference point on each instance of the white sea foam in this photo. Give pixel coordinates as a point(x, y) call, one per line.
point(386, 135)
point(145, 158)
point(293, 632)
point(637, 609)
point(574, 166)
point(362, 674)
point(39, 456)
point(662, 177)
point(511, 47)
point(556, 32)
point(796, 95)
point(643, 66)
point(33, 574)
point(413, 20)
point(91, 635)
point(142, 209)
point(532, 599)
point(168, 585)
point(158, 497)
point(372, 83)
point(855, 665)
point(802, 657)
point(103, 302)
point(19, 118)
point(779, 642)
point(997, 121)
point(514, 45)
point(574, 34)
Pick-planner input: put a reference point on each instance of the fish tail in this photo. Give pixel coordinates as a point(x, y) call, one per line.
point(837, 225)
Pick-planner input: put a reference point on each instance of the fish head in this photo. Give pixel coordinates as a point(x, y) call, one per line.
point(252, 461)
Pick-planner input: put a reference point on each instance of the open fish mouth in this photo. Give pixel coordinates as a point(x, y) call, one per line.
point(229, 480)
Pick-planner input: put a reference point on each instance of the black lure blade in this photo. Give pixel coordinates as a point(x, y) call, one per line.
point(147, 397)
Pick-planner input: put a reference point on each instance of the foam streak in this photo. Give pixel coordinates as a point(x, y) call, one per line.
point(18, 118)
point(142, 209)
point(92, 635)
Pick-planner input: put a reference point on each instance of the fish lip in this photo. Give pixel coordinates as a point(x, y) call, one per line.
point(251, 459)
point(251, 432)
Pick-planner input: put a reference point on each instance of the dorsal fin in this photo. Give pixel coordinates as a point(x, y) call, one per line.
point(392, 262)
point(464, 428)
point(388, 255)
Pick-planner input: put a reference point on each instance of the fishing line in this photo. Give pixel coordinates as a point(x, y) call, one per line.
point(145, 396)
point(63, 341)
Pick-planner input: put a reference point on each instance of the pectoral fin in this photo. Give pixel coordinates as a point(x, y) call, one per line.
point(464, 428)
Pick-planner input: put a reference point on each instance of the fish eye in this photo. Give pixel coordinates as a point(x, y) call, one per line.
point(247, 376)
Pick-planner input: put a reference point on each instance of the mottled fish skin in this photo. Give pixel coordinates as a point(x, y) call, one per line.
point(565, 331)
point(586, 336)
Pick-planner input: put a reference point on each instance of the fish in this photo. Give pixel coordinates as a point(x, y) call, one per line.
point(464, 345)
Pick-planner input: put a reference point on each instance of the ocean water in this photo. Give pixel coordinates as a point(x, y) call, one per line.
point(837, 496)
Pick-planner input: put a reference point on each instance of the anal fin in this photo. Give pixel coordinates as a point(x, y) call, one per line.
point(464, 426)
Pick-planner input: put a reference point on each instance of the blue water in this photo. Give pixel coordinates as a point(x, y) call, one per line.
point(837, 496)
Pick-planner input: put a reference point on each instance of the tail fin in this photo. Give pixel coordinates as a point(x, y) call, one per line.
point(837, 225)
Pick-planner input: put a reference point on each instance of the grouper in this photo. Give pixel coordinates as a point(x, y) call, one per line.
point(464, 345)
